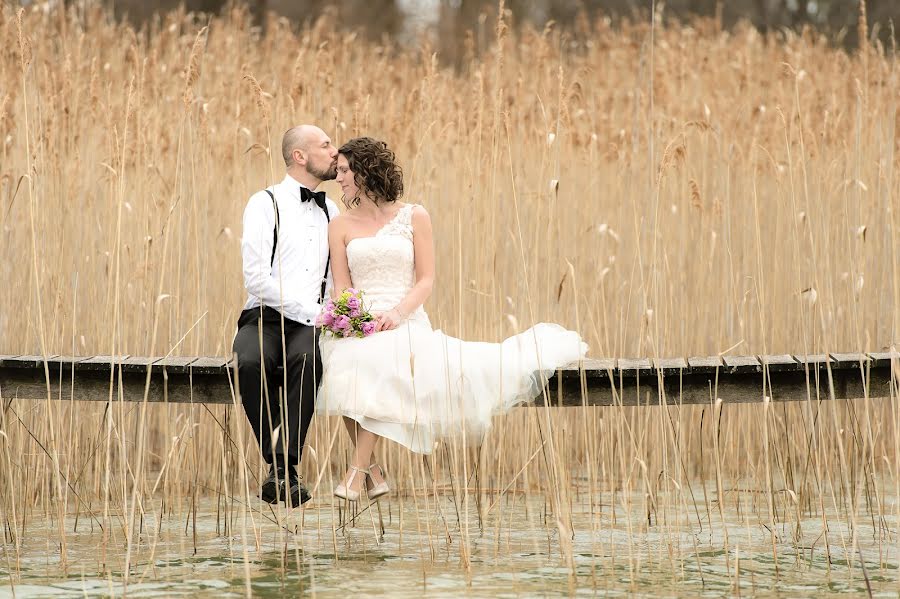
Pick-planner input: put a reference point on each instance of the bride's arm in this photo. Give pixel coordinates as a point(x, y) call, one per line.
point(340, 271)
point(423, 247)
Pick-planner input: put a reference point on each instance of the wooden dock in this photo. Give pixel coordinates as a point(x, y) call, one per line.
point(607, 382)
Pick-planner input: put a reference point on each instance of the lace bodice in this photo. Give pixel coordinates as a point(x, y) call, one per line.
point(383, 267)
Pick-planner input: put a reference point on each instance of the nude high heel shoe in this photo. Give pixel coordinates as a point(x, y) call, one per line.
point(343, 490)
point(382, 488)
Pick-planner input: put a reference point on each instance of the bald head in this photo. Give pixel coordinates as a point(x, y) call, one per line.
point(301, 138)
point(309, 155)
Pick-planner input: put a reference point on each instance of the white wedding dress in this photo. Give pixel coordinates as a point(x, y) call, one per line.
point(415, 385)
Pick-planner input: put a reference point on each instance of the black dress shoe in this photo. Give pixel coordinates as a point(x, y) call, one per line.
point(298, 494)
point(273, 487)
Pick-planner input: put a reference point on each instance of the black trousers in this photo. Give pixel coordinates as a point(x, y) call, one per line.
point(268, 401)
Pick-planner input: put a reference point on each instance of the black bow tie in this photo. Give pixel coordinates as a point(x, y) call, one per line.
point(317, 196)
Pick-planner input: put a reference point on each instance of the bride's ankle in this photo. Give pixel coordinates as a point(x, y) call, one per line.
point(355, 478)
point(376, 473)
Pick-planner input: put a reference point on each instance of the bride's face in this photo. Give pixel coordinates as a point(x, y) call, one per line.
point(345, 178)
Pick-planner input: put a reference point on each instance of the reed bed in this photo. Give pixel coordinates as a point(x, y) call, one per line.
point(667, 191)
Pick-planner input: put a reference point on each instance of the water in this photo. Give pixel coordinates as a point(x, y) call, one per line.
point(683, 551)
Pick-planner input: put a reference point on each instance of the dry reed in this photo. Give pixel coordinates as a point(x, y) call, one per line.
point(768, 225)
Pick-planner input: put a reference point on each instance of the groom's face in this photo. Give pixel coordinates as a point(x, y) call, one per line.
point(321, 158)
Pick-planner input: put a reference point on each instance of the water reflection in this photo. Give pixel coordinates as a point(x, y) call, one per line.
point(516, 551)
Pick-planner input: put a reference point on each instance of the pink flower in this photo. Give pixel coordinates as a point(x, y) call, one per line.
point(329, 307)
point(354, 312)
point(368, 328)
point(326, 319)
point(342, 323)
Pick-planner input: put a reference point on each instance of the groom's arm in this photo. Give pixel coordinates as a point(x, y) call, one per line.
point(256, 253)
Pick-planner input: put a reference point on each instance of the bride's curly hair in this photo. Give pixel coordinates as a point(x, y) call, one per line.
point(375, 169)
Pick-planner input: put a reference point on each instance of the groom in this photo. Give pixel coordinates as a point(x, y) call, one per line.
point(284, 249)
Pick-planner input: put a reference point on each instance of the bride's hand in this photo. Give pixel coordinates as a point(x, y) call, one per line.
point(388, 320)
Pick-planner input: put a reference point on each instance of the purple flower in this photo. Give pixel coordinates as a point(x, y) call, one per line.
point(329, 307)
point(353, 304)
point(342, 323)
point(354, 312)
point(368, 328)
point(351, 291)
point(326, 319)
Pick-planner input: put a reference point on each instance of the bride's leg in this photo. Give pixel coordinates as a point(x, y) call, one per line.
point(365, 446)
point(375, 472)
point(352, 428)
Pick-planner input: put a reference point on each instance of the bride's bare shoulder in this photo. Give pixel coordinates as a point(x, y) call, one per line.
point(420, 213)
point(337, 221)
point(340, 225)
point(345, 218)
point(419, 218)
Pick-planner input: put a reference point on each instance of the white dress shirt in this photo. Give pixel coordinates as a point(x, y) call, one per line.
point(293, 282)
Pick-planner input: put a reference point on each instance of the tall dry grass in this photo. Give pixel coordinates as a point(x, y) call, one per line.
point(667, 192)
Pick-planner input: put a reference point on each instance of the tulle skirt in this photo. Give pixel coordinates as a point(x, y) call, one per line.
point(415, 385)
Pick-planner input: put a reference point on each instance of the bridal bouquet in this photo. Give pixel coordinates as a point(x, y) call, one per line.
point(346, 316)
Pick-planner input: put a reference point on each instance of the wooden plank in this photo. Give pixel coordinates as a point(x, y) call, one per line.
point(780, 363)
point(63, 364)
point(27, 361)
point(176, 365)
point(884, 359)
point(137, 364)
point(4, 359)
point(813, 360)
point(633, 367)
point(95, 388)
point(705, 365)
point(99, 363)
point(603, 365)
point(742, 364)
point(590, 369)
point(823, 361)
point(204, 389)
point(854, 360)
point(69, 359)
point(671, 366)
point(207, 366)
point(786, 386)
point(206, 380)
point(66, 364)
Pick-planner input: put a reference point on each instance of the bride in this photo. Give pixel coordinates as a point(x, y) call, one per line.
point(407, 382)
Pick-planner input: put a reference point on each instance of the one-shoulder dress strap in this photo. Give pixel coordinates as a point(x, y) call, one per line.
point(406, 216)
point(403, 221)
point(401, 224)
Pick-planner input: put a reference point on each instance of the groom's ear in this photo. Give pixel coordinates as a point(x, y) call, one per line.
point(299, 156)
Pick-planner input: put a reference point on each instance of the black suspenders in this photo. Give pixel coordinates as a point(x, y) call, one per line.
point(324, 208)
